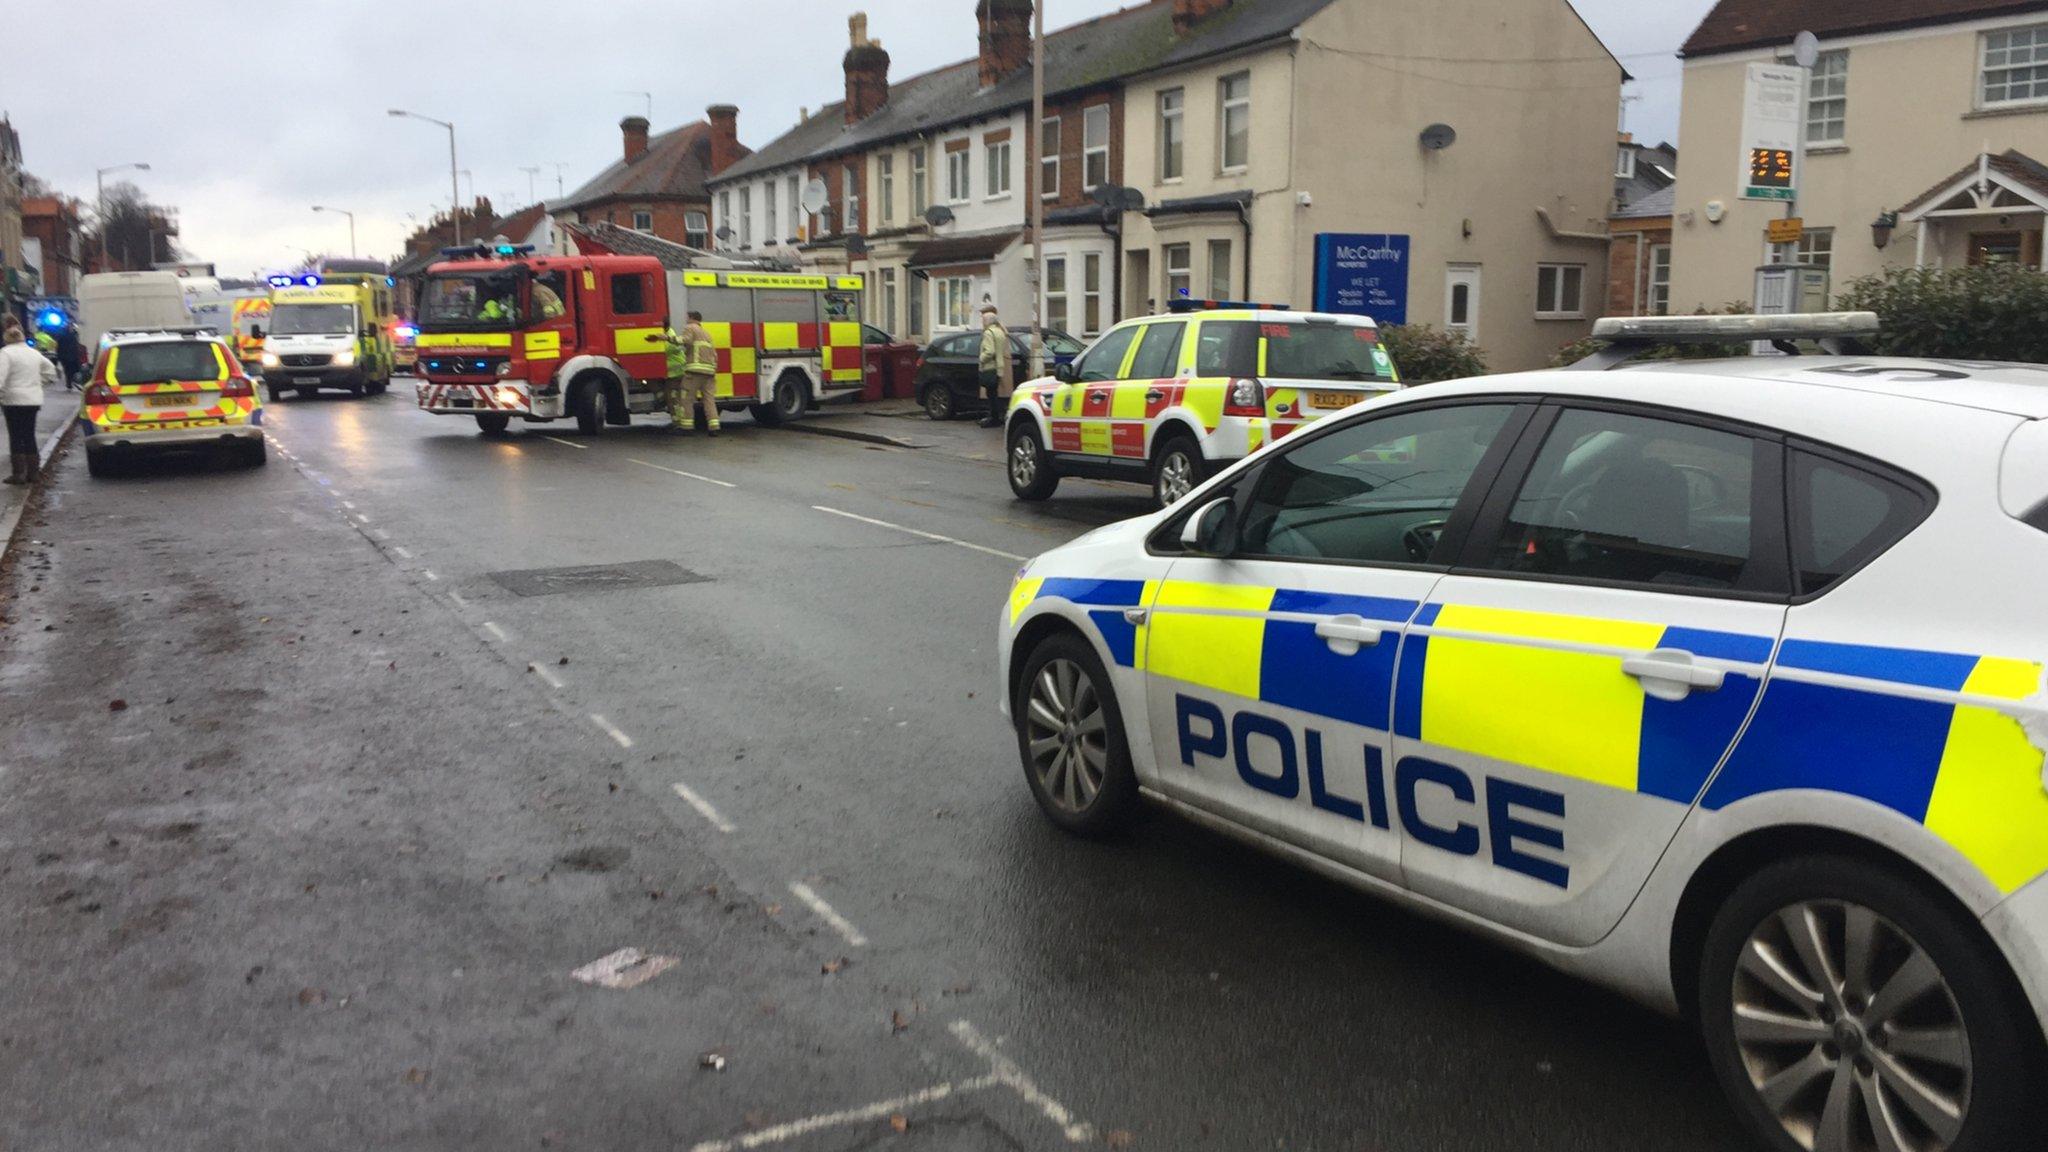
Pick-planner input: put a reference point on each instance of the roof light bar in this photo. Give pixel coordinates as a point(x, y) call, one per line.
point(1184, 305)
point(1723, 329)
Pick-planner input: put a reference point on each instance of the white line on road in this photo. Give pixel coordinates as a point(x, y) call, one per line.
point(1010, 1076)
point(547, 677)
point(430, 575)
point(881, 1109)
point(459, 601)
point(399, 551)
point(362, 519)
point(840, 924)
point(704, 809)
point(380, 533)
point(496, 632)
point(624, 740)
point(917, 532)
point(568, 443)
point(349, 504)
point(680, 472)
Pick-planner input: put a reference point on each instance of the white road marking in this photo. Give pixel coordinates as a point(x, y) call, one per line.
point(626, 968)
point(840, 924)
point(459, 601)
point(429, 575)
point(704, 809)
point(568, 443)
point(680, 472)
point(399, 551)
point(547, 677)
point(1010, 1076)
point(624, 740)
point(496, 632)
point(362, 519)
point(919, 532)
point(349, 504)
point(380, 533)
point(879, 1110)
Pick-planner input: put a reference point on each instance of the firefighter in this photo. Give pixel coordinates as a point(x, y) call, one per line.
point(547, 301)
point(497, 308)
point(995, 364)
point(693, 375)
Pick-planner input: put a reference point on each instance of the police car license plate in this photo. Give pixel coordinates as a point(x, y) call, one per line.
point(1334, 399)
point(170, 400)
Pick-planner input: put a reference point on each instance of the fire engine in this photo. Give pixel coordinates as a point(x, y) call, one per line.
point(506, 334)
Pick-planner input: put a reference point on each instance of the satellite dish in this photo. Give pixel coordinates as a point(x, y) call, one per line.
point(1130, 200)
point(816, 197)
point(1805, 49)
point(1438, 137)
point(938, 215)
point(725, 232)
point(1104, 194)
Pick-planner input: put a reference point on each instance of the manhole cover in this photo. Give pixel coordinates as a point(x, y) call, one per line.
point(597, 578)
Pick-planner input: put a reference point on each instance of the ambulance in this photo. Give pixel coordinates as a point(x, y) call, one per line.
point(329, 330)
point(505, 334)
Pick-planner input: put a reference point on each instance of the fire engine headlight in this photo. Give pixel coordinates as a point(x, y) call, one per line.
point(509, 396)
point(344, 359)
point(270, 360)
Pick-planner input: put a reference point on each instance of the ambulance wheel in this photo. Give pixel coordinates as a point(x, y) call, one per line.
point(1846, 1004)
point(357, 389)
point(591, 404)
point(1177, 469)
point(1030, 467)
point(1070, 735)
point(493, 423)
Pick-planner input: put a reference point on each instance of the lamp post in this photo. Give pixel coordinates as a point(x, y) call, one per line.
point(454, 190)
point(351, 225)
point(100, 182)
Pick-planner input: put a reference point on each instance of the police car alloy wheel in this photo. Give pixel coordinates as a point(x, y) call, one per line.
point(1845, 1008)
point(1070, 735)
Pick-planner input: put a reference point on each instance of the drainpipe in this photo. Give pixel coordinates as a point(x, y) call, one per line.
point(1116, 266)
point(1244, 217)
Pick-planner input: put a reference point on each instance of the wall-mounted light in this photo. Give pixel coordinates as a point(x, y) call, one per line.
point(1468, 227)
point(1881, 229)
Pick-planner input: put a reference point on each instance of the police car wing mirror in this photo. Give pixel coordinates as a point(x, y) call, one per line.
point(1211, 531)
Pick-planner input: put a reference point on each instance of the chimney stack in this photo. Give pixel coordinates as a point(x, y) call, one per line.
point(635, 130)
point(1187, 12)
point(867, 71)
point(725, 136)
point(1005, 38)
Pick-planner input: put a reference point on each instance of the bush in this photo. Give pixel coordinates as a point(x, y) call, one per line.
point(1585, 346)
point(1993, 312)
point(1424, 354)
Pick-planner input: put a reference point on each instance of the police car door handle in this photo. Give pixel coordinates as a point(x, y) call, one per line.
point(1670, 674)
point(1347, 634)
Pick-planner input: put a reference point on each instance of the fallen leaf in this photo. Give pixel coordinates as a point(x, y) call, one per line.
point(757, 1118)
point(896, 1022)
point(773, 909)
point(311, 996)
point(832, 967)
point(900, 1122)
point(117, 705)
point(1119, 1139)
point(415, 1075)
point(563, 662)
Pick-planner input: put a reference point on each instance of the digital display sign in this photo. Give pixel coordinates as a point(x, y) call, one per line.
point(1770, 167)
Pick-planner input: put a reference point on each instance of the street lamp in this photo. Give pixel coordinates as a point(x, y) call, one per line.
point(454, 191)
point(100, 182)
point(351, 225)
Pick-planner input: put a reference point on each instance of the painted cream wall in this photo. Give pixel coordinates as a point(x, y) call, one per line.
point(1912, 122)
point(980, 212)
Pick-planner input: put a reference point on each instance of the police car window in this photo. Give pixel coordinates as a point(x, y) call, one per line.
point(1227, 348)
point(1105, 361)
point(1628, 498)
point(1376, 492)
point(1158, 352)
point(1842, 517)
point(629, 294)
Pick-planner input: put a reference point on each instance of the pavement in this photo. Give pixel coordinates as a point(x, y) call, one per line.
point(320, 783)
point(52, 421)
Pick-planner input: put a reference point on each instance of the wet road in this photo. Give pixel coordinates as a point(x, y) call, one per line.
point(796, 712)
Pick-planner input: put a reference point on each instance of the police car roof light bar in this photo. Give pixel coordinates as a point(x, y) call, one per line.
point(1837, 333)
point(1183, 306)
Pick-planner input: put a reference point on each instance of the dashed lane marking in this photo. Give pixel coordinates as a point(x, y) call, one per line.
point(547, 677)
point(568, 443)
point(429, 575)
point(840, 924)
point(704, 808)
point(400, 551)
point(496, 632)
point(459, 601)
point(920, 533)
point(624, 741)
point(380, 533)
point(1008, 1074)
point(680, 472)
point(879, 1110)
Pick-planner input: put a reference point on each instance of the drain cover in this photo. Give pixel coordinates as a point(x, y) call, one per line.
point(597, 578)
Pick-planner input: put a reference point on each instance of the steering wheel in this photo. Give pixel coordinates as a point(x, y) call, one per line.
point(1421, 540)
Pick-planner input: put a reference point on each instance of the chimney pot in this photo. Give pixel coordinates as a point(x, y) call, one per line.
point(725, 136)
point(634, 129)
point(1187, 13)
point(867, 71)
point(1005, 38)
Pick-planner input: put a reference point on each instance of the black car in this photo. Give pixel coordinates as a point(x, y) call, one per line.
point(949, 372)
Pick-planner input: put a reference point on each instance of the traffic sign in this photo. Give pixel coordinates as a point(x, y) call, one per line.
point(1788, 230)
point(1773, 123)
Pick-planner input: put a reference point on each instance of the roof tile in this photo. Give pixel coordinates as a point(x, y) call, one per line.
point(1740, 25)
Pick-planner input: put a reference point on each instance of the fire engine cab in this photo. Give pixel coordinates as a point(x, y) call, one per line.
point(506, 334)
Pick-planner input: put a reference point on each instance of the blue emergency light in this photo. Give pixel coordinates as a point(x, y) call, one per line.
point(309, 280)
point(53, 319)
point(408, 331)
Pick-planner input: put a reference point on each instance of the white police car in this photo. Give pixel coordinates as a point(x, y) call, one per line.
point(1719, 683)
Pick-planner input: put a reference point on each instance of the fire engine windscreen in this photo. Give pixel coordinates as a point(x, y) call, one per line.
point(312, 320)
point(470, 300)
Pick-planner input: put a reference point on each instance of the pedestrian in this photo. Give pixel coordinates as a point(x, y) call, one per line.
point(693, 376)
point(24, 373)
point(995, 364)
point(70, 354)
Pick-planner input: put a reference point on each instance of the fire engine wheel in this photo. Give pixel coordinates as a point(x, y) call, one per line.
point(790, 399)
point(493, 423)
point(591, 405)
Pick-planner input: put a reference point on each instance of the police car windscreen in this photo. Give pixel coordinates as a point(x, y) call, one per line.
point(312, 319)
point(1293, 351)
point(157, 363)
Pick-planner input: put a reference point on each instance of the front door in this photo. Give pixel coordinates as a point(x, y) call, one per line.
point(1271, 672)
point(1461, 300)
point(1569, 690)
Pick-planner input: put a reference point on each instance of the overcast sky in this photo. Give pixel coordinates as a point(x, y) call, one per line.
point(248, 116)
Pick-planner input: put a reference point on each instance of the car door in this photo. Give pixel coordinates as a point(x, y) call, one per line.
point(1270, 669)
point(1079, 413)
point(1145, 388)
point(1570, 688)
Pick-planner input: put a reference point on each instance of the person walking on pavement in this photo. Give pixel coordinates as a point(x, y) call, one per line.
point(693, 372)
point(995, 364)
point(69, 354)
point(24, 373)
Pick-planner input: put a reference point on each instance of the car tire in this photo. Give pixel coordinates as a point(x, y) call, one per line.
point(99, 467)
point(1028, 465)
point(1177, 468)
point(255, 454)
point(791, 397)
point(278, 395)
point(1973, 1046)
point(1070, 739)
point(356, 389)
point(493, 423)
point(592, 408)
point(938, 402)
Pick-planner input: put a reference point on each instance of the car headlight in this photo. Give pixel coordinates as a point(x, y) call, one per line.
point(270, 360)
point(345, 358)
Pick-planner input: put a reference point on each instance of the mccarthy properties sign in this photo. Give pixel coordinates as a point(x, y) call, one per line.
point(1363, 275)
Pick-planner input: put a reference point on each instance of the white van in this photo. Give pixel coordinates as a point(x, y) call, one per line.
point(110, 300)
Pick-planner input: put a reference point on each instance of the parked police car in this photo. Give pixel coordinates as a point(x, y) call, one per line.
point(1167, 400)
point(1719, 683)
point(158, 390)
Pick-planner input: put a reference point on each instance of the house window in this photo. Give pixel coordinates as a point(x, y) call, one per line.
point(768, 213)
point(746, 217)
point(888, 317)
point(998, 154)
point(2014, 68)
point(1056, 293)
point(1234, 115)
point(1219, 269)
point(796, 209)
point(950, 299)
point(1173, 133)
point(1095, 147)
point(696, 228)
point(919, 186)
point(1049, 157)
point(849, 198)
point(1660, 280)
point(885, 195)
point(643, 220)
point(725, 211)
point(1560, 291)
point(1180, 271)
point(1827, 99)
point(959, 175)
point(1624, 163)
point(1091, 293)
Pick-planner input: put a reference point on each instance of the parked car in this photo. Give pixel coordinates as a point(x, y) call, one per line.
point(169, 390)
point(949, 372)
point(888, 365)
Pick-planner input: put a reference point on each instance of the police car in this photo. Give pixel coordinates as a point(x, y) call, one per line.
point(169, 390)
point(1169, 399)
point(1719, 683)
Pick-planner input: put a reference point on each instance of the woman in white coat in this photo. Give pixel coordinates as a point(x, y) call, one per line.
point(24, 372)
